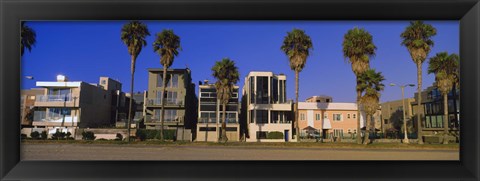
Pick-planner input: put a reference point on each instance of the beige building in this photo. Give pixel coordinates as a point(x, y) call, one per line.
point(321, 98)
point(180, 102)
point(67, 105)
point(27, 101)
point(268, 113)
point(392, 115)
point(210, 113)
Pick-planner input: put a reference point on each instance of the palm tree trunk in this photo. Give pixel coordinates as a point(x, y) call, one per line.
point(366, 140)
point(162, 116)
point(419, 103)
point(359, 95)
point(445, 118)
point(297, 129)
point(131, 97)
point(224, 123)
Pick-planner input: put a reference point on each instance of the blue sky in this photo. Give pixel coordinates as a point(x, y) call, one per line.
point(86, 50)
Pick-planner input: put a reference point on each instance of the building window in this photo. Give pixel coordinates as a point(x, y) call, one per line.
point(325, 115)
point(104, 82)
point(207, 117)
point(354, 116)
point(262, 90)
point(337, 117)
point(170, 115)
point(274, 116)
point(230, 117)
point(302, 117)
point(172, 80)
point(317, 116)
point(261, 117)
point(348, 116)
point(252, 90)
point(282, 93)
point(385, 121)
point(170, 97)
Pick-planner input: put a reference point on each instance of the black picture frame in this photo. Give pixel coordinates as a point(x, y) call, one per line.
point(13, 11)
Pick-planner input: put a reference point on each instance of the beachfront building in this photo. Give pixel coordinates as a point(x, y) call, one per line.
point(67, 105)
point(431, 111)
point(268, 113)
point(320, 98)
point(392, 116)
point(328, 119)
point(27, 103)
point(210, 111)
point(180, 102)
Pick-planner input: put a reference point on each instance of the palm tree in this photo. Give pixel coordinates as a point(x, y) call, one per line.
point(166, 45)
point(297, 45)
point(133, 35)
point(445, 67)
point(358, 48)
point(370, 82)
point(417, 38)
point(28, 38)
point(227, 76)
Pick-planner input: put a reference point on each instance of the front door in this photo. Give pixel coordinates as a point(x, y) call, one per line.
point(286, 135)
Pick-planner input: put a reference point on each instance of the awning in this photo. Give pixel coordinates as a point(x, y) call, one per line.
point(326, 124)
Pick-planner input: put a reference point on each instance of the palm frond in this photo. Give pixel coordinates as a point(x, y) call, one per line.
point(167, 45)
point(297, 45)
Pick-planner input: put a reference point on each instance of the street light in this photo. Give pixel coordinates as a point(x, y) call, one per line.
point(405, 138)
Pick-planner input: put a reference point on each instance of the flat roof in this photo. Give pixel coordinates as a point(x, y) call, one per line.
point(58, 84)
point(328, 106)
point(168, 70)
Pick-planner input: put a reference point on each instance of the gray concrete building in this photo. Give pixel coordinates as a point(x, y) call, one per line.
point(180, 102)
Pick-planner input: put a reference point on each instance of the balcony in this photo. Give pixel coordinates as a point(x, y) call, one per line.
point(41, 118)
point(206, 120)
point(168, 102)
point(156, 119)
point(54, 98)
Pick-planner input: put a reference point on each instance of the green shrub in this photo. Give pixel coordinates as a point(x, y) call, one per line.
point(119, 137)
point(23, 136)
point(144, 134)
point(35, 135)
point(88, 135)
point(141, 134)
point(275, 135)
point(58, 135)
point(44, 135)
point(68, 136)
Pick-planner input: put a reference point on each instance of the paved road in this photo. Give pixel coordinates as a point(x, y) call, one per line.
point(189, 152)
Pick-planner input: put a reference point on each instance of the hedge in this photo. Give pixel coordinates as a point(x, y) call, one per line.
point(35, 135)
point(275, 135)
point(144, 134)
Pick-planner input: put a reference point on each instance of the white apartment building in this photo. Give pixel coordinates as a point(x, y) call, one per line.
point(268, 113)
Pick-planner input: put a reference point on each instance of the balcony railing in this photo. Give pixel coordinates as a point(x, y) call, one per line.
point(205, 120)
point(168, 102)
point(41, 116)
point(54, 98)
point(156, 119)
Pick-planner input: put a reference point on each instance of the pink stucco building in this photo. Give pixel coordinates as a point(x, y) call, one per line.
point(327, 118)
